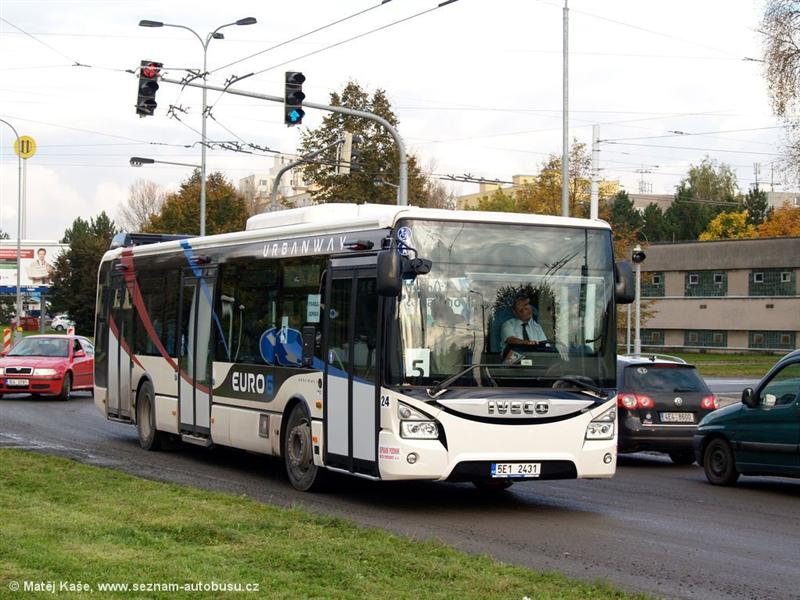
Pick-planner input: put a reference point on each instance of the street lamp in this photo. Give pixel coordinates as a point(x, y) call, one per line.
point(381, 182)
point(17, 332)
point(638, 256)
point(214, 35)
point(138, 161)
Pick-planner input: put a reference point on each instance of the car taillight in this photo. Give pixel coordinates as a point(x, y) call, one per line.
point(633, 401)
point(710, 402)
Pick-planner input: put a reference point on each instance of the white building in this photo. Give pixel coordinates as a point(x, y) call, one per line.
point(257, 188)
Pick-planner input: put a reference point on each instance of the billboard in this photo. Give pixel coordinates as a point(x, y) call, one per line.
point(36, 264)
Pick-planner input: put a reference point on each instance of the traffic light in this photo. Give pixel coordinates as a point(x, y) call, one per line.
point(350, 155)
point(148, 86)
point(293, 98)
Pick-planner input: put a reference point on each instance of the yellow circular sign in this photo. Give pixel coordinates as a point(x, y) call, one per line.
point(25, 146)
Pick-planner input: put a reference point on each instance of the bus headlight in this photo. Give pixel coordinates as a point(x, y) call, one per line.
point(602, 427)
point(415, 425)
point(419, 430)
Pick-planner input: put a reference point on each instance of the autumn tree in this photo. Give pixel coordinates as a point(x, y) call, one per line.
point(729, 226)
point(75, 270)
point(180, 212)
point(145, 199)
point(783, 222)
point(379, 159)
point(781, 30)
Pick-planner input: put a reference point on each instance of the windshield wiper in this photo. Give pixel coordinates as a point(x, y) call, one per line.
point(441, 387)
point(585, 386)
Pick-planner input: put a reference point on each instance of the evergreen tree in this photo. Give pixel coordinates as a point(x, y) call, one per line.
point(75, 270)
point(655, 226)
point(180, 213)
point(757, 206)
point(379, 158)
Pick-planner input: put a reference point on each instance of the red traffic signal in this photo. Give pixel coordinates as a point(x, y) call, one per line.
point(149, 72)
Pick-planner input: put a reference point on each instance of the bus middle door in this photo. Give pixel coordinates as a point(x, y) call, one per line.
point(120, 346)
point(195, 351)
point(351, 393)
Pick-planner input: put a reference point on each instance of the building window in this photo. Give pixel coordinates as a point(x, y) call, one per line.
point(706, 283)
point(773, 282)
point(694, 278)
point(653, 285)
point(657, 279)
point(652, 337)
point(705, 338)
point(718, 278)
point(772, 340)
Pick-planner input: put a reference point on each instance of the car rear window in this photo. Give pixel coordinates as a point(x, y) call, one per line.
point(663, 378)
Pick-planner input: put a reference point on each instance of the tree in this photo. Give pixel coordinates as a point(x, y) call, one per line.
point(622, 214)
point(75, 270)
point(379, 154)
point(729, 226)
point(757, 206)
point(499, 201)
point(655, 225)
point(145, 199)
point(712, 181)
point(781, 30)
point(783, 222)
point(180, 213)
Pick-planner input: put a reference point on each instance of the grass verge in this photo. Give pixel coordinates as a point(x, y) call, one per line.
point(729, 365)
point(67, 522)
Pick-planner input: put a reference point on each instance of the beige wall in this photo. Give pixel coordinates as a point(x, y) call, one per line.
point(728, 314)
point(674, 283)
point(738, 283)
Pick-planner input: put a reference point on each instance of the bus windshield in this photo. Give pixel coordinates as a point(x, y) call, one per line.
point(523, 305)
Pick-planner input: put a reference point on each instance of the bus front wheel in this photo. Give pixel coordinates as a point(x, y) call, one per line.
point(298, 452)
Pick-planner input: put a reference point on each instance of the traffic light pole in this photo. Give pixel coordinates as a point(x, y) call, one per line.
point(401, 148)
point(17, 331)
point(277, 181)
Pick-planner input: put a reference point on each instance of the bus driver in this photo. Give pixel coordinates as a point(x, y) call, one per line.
point(521, 329)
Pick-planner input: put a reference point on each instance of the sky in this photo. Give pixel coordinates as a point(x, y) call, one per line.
point(476, 85)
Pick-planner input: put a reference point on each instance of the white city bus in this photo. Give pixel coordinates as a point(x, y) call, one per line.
point(368, 339)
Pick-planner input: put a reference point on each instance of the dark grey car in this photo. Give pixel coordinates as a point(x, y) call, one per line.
point(660, 400)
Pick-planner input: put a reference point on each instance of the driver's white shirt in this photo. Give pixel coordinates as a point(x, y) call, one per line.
point(513, 328)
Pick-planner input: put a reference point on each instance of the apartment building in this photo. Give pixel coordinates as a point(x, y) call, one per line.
point(723, 295)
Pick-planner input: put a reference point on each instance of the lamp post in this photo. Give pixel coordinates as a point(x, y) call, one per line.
point(381, 182)
point(214, 35)
point(138, 161)
point(638, 256)
point(17, 333)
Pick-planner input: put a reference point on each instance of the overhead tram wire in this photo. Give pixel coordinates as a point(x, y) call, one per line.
point(299, 37)
point(690, 133)
point(695, 149)
point(355, 37)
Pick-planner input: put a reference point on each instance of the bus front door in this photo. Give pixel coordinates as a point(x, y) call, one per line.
point(351, 393)
point(120, 344)
point(194, 351)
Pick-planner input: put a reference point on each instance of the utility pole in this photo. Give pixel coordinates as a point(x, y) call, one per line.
point(595, 197)
point(401, 147)
point(565, 117)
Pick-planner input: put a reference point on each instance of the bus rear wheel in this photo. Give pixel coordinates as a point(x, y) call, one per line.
point(298, 453)
point(149, 437)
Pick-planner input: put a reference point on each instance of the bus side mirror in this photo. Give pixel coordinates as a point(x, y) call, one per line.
point(309, 344)
point(389, 276)
point(624, 289)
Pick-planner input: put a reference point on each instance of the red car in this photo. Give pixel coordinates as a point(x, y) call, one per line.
point(52, 365)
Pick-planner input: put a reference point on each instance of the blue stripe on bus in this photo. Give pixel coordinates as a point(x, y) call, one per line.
point(198, 273)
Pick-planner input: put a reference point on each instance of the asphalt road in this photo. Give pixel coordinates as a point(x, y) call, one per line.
point(655, 527)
